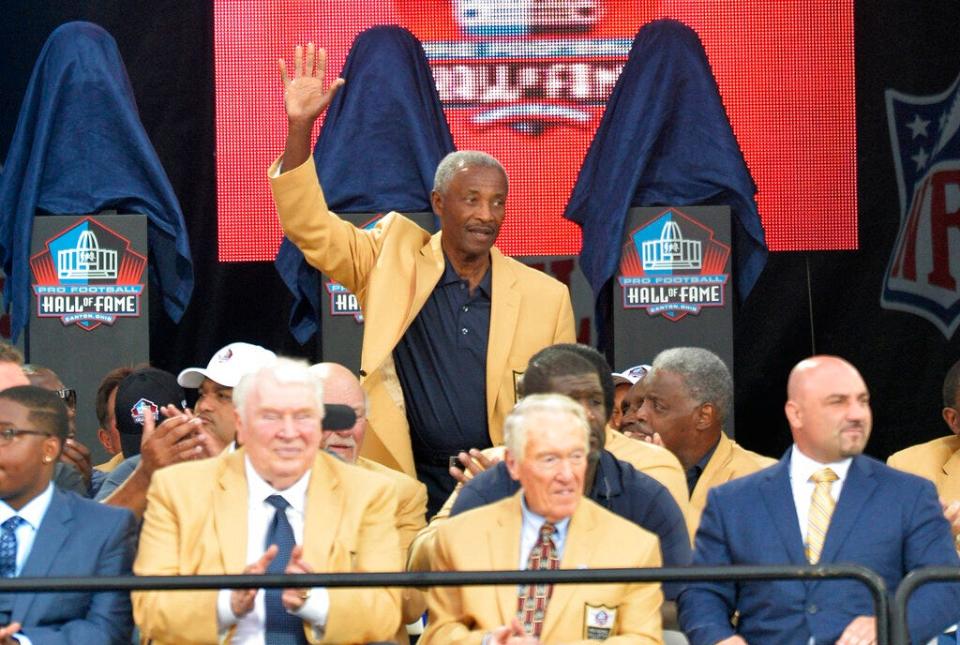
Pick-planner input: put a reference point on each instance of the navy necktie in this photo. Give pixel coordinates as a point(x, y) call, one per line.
point(283, 628)
point(8, 546)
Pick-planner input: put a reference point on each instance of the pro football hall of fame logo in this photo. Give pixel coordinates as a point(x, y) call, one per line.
point(672, 266)
point(88, 275)
point(920, 278)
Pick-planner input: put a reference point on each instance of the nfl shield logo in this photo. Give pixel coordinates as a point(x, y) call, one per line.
point(923, 272)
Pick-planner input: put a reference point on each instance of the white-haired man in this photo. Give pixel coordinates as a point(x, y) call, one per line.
point(546, 525)
point(277, 504)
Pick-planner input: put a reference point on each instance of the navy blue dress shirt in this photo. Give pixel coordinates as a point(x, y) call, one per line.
point(618, 487)
point(693, 473)
point(442, 365)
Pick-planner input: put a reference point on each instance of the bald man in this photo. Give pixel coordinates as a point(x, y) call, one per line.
point(340, 386)
point(823, 503)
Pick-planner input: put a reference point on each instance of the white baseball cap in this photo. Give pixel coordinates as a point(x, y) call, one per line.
point(228, 365)
point(631, 376)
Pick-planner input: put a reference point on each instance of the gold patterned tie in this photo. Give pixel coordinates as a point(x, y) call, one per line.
point(532, 599)
point(821, 508)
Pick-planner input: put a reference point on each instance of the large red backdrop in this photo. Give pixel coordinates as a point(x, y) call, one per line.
point(785, 71)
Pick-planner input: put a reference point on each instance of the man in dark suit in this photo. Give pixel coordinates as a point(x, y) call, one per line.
point(47, 532)
point(826, 503)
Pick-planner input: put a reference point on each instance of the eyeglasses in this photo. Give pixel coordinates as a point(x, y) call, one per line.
point(69, 396)
point(7, 435)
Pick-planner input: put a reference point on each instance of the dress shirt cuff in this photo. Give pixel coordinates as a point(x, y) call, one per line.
point(225, 617)
point(23, 640)
point(315, 610)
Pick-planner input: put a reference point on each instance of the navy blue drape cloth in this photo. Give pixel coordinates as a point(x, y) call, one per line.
point(384, 134)
point(79, 147)
point(664, 140)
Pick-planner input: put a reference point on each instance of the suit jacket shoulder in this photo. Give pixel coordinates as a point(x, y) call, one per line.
point(528, 277)
point(729, 461)
point(937, 461)
point(408, 488)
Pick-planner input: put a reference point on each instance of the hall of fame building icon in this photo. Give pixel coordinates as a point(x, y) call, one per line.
point(87, 261)
point(673, 266)
point(671, 252)
point(88, 275)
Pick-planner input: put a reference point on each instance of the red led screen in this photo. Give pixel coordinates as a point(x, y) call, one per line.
point(785, 71)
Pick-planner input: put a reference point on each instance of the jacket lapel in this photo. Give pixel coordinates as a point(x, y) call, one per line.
point(396, 312)
point(857, 489)
point(231, 498)
point(721, 457)
point(398, 309)
point(950, 488)
point(323, 512)
point(53, 532)
point(429, 268)
point(504, 311)
point(577, 551)
point(503, 540)
point(778, 498)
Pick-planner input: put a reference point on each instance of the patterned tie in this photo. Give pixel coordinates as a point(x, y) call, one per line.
point(532, 599)
point(282, 628)
point(821, 508)
point(8, 546)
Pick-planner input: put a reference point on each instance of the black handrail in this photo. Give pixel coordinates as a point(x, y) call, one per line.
point(461, 578)
point(898, 612)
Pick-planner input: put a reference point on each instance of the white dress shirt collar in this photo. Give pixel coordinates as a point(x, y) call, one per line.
point(33, 511)
point(296, 495)
point(530, 532)
point(802, 467)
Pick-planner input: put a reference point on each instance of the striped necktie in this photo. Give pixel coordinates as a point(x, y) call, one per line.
point(532, 599)
point(821, 508)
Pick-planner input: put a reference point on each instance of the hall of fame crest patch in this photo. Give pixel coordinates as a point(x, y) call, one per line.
point(673, 266)
point(598, 621)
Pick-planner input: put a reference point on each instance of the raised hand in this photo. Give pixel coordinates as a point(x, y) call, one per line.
point(304, 95)
point(174, 440)
point(474, 463)
point(77, 455)
point(305, 98)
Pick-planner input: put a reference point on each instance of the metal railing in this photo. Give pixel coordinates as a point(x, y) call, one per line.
point(898, 612)
point(871, 580)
